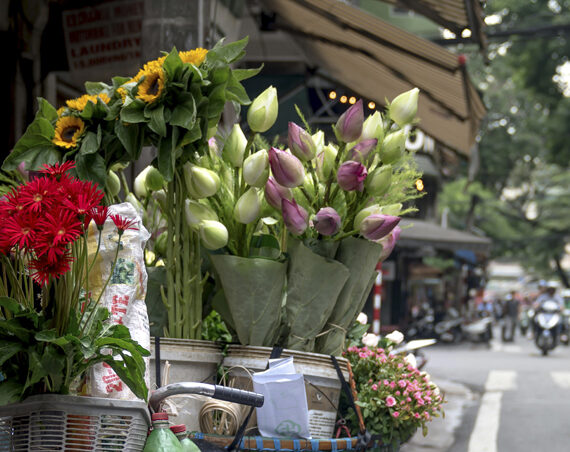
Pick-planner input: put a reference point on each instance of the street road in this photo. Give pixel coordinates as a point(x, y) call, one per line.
point(503, 398)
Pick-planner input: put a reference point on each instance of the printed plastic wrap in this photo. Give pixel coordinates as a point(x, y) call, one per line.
point(124, 295)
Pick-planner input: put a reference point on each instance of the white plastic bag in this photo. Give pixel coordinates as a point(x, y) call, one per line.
point(124, 296)
point(285, 412)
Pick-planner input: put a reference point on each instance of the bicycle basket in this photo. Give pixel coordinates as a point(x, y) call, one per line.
point(72, 423)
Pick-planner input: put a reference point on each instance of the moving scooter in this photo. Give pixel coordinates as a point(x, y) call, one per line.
point(450, 328)
point(480, 330)
point(547, 324)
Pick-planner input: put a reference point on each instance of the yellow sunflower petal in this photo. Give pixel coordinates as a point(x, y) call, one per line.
point(68, 129)
point(195, 57)
point(152, 86)
point(80, 103)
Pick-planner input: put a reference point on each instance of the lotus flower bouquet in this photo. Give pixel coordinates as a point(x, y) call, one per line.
point(306, 223)
point(52, 326)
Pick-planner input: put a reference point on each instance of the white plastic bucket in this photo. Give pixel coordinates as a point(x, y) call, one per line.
point(190, 361)
point(321, 381)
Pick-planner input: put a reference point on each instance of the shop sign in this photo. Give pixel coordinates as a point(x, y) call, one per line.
point(103, 35)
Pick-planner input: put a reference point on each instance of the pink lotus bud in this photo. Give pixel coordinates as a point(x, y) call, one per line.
point(286, 168)
point(295, 217)
point(327, 221)
point(275, 193)
point(351, 176)
point(389, 242)
point(301, 143)
point(349, 125)
point(361, 151)
point(376, 226)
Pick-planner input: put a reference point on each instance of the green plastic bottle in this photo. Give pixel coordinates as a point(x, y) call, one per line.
point(181, 433)
point(161, 438)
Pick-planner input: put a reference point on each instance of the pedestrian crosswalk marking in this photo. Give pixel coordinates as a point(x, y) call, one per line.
point(501, 380)
point(484, 435)
point(562, 379)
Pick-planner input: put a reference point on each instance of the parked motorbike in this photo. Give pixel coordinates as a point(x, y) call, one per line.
point(450, 328)
point(421, 327)
point(479, 330)
point(415, 347)
point(548, 323)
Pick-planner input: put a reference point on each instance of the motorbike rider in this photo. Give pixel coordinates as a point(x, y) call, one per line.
point(549, 294)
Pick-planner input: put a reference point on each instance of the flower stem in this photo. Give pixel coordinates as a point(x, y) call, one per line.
point(338, 158)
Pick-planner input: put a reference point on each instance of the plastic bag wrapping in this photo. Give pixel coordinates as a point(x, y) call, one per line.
point(124, 295)
point(285, 412)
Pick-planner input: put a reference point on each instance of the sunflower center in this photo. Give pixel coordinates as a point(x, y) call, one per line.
point(153, 88)
point(68, 133)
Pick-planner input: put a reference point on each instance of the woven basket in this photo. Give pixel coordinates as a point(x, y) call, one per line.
point(258, 443)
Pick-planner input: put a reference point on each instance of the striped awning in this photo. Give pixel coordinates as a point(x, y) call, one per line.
point(378, 61)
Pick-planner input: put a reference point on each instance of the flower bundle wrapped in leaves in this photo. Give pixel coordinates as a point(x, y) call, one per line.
point(305, 206)
point(394, 397)
point(51, 330)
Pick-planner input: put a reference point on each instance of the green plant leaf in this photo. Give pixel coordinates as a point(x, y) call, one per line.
point(46, 110)
point(157, 123)
point(172, 64)
point(131, 137)
point(184, 114)
point(89, 144)
point(133, 112)
point(9, 349)
point(91, 167)
point(119, 81)
point(10, 392)
point(216, 101)
point(165, 158)
point(236, 91)
point(10, 304)
point(243, 74)
point(228, 53)
point(264, 245)
point(13, 327)
point(35, 147)
point(95, 88)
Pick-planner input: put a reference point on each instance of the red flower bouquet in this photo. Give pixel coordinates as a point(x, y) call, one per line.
point(51, 330)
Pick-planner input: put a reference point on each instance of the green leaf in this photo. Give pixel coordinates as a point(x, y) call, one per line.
point(236, 91)
point(184, 114)
point(228, 53)
point(10, 304)
point(264, 245)
point(89, 144)
point(172, 65)
point(9, 349)
point(91, 167)
point(243, 74)
point(10, 392)
point(46, 110)
point(133, 112)
point(88, 112)
point(220, 75)
point(36, 144)
point(166, 158)
point(46, 336)
point(13, 327)
point(217, 100)
point(95, 88)
point(131, 137)
point(119, 81)
point(192, 135)
point(157, 123)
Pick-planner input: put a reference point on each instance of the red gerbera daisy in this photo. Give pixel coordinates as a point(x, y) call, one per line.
point(60, 227)
point(21, 229)
point(11, 203)
point(42, 269)
point(123, 223)
point(99, 215)
point(57, 169)
point(83, 197)
point(35, 195)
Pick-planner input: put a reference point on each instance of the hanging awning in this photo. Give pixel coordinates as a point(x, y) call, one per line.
point(420, 233)
point(454, 15)
point(378, 61)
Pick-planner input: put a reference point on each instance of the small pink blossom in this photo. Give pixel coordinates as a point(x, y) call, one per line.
point(392, 384)
point(386, 382)
point(400, 365)
point(375, 387)
point(398, 393)
point(390, 401)
point(417, 415)
point(396, 414)
point(408, 399)
point(402, 383)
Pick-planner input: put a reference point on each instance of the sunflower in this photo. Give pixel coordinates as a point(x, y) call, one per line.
point(80, 103)
point(68, 129)
point(61, 111)
point(152, 86)
point(195, 57)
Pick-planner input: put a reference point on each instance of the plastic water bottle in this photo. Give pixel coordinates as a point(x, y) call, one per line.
point(161, 438)
point(181, 433)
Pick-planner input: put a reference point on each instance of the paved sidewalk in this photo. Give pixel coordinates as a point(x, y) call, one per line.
point(441, 430)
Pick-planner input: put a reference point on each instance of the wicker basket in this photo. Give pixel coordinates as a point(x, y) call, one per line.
point(71, 423)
